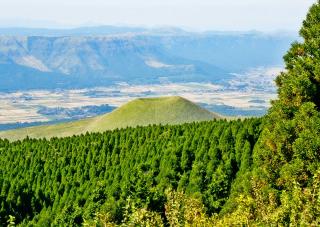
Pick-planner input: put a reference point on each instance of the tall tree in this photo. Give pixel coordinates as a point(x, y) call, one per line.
point(287, 157)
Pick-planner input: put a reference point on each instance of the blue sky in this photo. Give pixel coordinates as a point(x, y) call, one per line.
point(263, 15)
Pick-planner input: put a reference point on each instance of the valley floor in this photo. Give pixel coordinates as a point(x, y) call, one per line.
point(245, 95)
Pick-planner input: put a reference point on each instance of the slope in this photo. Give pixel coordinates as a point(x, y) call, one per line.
point(139, 112)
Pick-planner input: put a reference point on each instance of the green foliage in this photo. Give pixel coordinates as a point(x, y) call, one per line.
point(180, 210)
point(283, 183)
point(11, 221)
point(67, 181)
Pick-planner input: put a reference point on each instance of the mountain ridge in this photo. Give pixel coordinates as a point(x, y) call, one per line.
point(88, 61)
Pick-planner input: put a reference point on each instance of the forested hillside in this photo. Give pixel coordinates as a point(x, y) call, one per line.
point(69, 180)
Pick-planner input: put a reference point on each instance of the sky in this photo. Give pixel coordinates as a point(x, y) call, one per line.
point(224, 15)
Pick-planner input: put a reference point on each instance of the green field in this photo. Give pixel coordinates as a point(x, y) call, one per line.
point(139, 112)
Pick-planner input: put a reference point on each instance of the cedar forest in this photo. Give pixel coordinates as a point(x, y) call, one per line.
point(258, 171)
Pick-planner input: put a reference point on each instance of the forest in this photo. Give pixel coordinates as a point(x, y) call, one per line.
point(68, 180)
point(253, 172)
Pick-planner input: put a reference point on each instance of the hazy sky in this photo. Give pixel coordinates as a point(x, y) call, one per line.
point(265, 15)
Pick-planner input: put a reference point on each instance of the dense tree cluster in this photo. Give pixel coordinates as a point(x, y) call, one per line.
point(286, 160)
point(68, 180)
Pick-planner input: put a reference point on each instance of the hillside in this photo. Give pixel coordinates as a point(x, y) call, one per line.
point(71, 181)
point(143, 111)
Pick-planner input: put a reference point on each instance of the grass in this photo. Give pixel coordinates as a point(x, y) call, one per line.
point(139, 112)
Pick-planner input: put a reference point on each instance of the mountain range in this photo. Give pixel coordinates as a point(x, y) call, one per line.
point(86, 57)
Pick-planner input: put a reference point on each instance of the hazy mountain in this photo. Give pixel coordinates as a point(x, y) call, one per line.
point(93, 61)
point(106, 55)
point(231, 51)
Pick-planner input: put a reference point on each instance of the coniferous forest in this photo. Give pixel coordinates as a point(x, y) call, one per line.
point(243, 172)
point(66, 181)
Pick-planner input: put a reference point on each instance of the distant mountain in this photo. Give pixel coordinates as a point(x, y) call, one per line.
point(140, 112)
point(232, 52)
point(94, 61)
point(100, 56)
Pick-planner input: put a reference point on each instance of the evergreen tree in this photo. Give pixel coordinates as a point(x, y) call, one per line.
point(286, 159)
